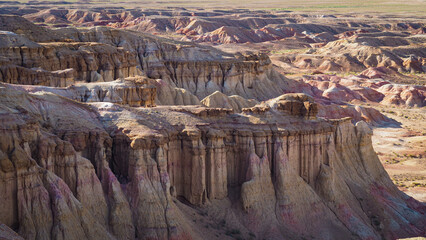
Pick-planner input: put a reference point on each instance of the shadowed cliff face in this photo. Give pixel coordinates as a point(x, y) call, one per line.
point(107, 171)
point(86, 154)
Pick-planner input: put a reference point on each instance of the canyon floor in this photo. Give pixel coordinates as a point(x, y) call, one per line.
point(212, 120)
point(402, 150)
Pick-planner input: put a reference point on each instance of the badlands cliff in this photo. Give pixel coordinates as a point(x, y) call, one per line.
point(334, 42)
point(105, 171)
point(117, 134)
point(103, 54)
point(188, 72)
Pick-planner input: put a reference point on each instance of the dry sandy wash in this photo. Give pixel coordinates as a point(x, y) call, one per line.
point(201, 122)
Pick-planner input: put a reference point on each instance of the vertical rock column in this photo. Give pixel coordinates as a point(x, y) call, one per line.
point(145, 191)
point(194, 166)
point(257, 192)
point(216, 172)
point(237, 143)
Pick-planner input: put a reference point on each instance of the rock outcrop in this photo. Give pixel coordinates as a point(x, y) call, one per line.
point(103, 54)
point(19, 25)
point(8, 234)
point(235, 102)
point(359, 53)
point(369, 87)
point(41, 64)
point(169, 94)
point(297, 105)
point(93, 148)
point(403, 95)
point(107, 171)
point(133, 91)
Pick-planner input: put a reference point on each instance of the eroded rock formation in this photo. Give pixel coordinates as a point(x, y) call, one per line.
point(235, 102)
point(93, 148)
point(133, 91)
point(102, 54)
point(108, 171)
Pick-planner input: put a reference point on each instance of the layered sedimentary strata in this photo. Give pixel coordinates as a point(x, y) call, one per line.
point(169, 94)
point(108, 171)
point(335, 43)
point(235, 102)
point(88, 155)
point(188, 72)
point(199, 69)
point(369, 86)
point(42, 64)
point(357, 53)
point(133, 91)
point(102, 54)
point(18, 25)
